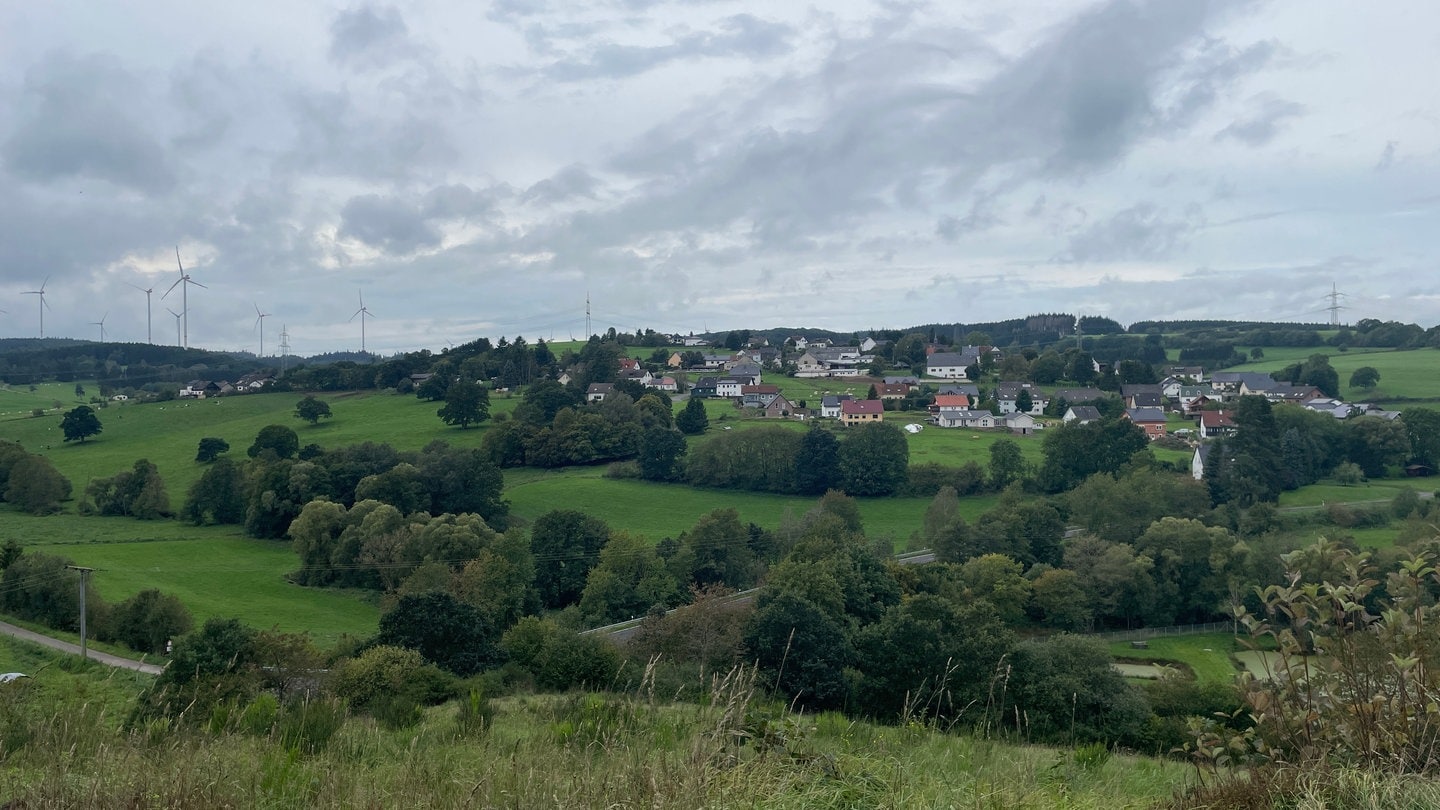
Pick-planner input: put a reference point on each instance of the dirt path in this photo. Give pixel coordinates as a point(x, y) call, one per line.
point(74, 649)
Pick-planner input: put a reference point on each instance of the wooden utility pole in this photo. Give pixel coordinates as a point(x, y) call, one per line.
point(84, 573)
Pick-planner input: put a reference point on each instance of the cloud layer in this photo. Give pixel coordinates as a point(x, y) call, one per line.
point(483, 169)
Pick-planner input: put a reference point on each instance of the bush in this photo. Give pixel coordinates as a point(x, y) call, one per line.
point(381, 673)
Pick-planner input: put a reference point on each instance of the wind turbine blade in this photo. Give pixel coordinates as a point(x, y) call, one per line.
point(357, 312)
point(42, 285)
point(172, 287)
point(177, 260)
point(196, 283)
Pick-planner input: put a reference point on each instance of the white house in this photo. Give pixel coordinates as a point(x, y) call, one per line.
point(964, 418)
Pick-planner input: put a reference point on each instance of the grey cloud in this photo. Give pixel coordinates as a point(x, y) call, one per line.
point(1142, 232)
point(403, 225)
point(901, 130)
point(79, 117)
point(392, 225)
point(981, 217)
point(742, 35)
point(1260, 126)
point(368, 37)
point(334, 136)
point(568, 183)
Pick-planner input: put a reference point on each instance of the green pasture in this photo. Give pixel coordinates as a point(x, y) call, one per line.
point(18, 401)
point(167, 433)
point(656, 511)
point(1208, 655)
point(1372, 492)
point(1411, 374)
point(216, 571)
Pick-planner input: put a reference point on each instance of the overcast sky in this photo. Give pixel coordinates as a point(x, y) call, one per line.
point(477, 168)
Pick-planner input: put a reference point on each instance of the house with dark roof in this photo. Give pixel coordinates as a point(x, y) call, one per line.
point(704, 387)
point(952, 417)
point(1197, 461)
point(1216, 424)
point(830, 405)
point(1084, 414)
point(780, 408)
point(861, 412)
point(968, 389)
point(1142, 396)
point(1151, 420)
point(951, 365)
point(758, 396)
point(1075, 396)
point(597, 392)
point(1008, 393)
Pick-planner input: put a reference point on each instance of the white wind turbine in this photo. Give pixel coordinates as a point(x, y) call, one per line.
point(260, 324)
point(101, 323)
point(44, 305)
point(183, 283)
point(178, 316)
point(362, 313)
point(149, 336)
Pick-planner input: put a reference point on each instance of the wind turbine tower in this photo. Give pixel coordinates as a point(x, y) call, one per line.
point(178, 316)
point(183, 283)
point(362, 313)
point(101, 323)
point(149, 334)
point(260, 324)
point(44, 305)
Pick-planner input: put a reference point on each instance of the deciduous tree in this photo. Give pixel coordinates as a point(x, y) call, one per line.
point(312, 410)
point(466, 403)
point(79, 423)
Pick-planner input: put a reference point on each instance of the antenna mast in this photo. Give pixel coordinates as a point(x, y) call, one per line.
point(1335, 306)
point(588, 333)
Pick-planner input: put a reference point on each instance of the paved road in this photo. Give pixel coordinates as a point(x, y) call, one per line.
point(74, 649)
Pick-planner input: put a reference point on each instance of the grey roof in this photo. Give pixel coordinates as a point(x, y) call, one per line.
point(1145, 414)
point(1137, 388)
point(1148, 399)
point(961, 359)
point(969, 389)
point(1088, 413)
point(833, 400)
point(1079, 394)
point(1254, 380)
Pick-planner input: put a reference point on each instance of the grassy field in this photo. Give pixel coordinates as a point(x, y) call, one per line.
point(1370, 492)
point(1207, 654)
point(1413, 374)
point(215, 571)
point(167, 433)
point(573, 751)
point(657, 511)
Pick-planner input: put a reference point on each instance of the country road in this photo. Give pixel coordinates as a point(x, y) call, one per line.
point(74, 649)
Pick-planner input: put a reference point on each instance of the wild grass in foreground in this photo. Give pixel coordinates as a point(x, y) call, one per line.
point(575, 750)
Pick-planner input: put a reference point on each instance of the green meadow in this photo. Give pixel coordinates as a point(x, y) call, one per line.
point(1410, 374)
point(656, 511)
point(215, 570)
point(1207, 655)
point(167, 433)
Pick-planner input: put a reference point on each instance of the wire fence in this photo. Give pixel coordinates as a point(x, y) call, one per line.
point(1142, 633)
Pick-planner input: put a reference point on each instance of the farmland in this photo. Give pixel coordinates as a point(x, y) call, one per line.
point(1404, 375)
